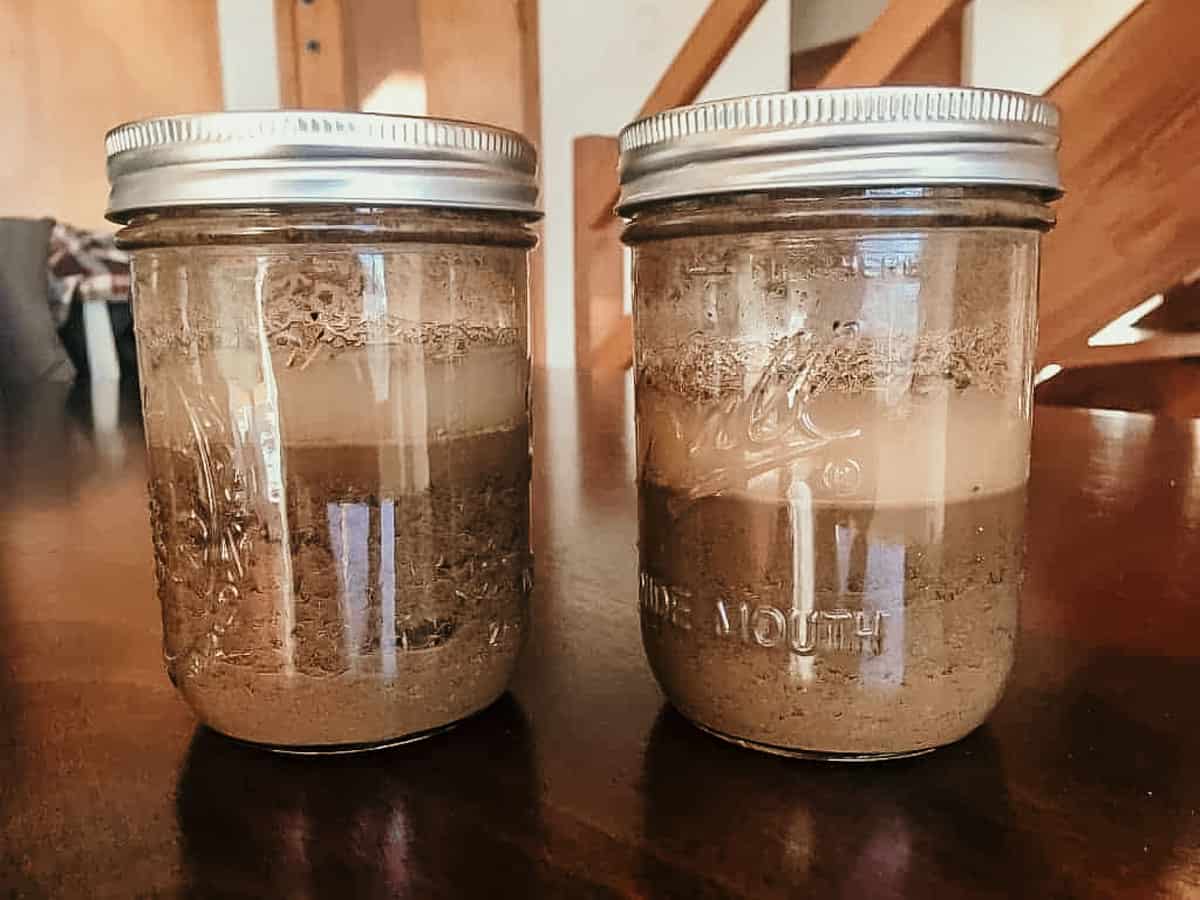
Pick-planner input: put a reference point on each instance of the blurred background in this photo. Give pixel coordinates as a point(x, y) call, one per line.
point(1119, 318)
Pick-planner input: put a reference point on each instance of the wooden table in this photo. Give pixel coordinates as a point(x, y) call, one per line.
point(581, 782)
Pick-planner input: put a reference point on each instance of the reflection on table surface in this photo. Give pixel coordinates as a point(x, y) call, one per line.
point(581, 782)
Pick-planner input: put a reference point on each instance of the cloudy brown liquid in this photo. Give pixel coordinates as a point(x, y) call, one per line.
point(387, 597)
point(831, 629)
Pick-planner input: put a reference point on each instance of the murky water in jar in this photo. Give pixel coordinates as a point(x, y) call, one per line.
point(836, 628)
point(833, 451)
point(340, 462)
point(381, 611)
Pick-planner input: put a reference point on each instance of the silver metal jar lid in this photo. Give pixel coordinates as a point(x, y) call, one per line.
point(289, 157)
point(854, 137)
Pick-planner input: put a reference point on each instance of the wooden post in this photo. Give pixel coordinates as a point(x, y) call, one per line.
point(599, 272)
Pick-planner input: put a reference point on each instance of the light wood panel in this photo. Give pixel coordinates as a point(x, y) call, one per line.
point(314, 67)
point(898, 37)
point(383, 48)
point(69, 71)
point(1129, 225)
point(478, 61)
point(481, 64)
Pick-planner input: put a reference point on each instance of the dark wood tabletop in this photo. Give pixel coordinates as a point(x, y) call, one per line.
point(581, 782)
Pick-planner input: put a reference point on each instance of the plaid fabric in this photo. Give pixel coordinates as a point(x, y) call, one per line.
point(85, 266)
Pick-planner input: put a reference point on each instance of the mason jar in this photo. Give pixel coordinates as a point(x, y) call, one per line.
point(330, 316)
point(835, 317)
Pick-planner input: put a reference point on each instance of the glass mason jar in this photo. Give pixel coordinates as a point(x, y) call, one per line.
point(330, 313)
point(835, 318)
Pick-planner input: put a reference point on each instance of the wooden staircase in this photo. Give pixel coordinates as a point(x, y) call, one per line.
point(1129, 225)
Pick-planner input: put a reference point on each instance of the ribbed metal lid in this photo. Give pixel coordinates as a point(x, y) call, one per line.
point(301, 157)
point(855, 137)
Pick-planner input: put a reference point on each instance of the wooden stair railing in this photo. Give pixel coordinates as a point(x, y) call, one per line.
point(1129, 224)
point(911, 41)
point(599, 268)
point(603, 334)
point(719, 28)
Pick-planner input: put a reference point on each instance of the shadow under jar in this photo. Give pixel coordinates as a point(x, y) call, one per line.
point(331, 317)
point(835, 318)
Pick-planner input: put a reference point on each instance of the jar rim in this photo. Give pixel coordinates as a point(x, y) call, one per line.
point(302, 157)
point(847, 137)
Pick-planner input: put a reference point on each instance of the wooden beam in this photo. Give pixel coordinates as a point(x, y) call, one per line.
point(1180, 310)
point(809, 66)
point(719, 28)
point(1164, 345)
point(938, 59)
point(916, 41)
point(1165, 387)
point(896, 36)
point(481, 64)
point(1129, 225)
point(314, 65)
point(599, 269)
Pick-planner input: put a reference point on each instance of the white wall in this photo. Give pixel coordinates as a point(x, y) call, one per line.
point(817, 22)
point(249, 58)
point(1021, 45)
point(599, 62)
point(1027, 45)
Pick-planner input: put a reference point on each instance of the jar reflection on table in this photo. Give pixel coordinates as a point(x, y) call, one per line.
point(847, 832)
point(441, 817)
